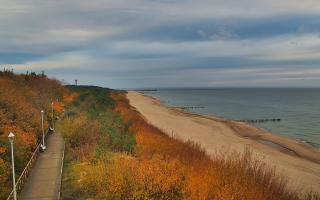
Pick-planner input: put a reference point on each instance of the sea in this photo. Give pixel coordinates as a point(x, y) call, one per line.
point(297, 108)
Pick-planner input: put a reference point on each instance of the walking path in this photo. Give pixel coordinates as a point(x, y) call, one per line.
point(45, 178)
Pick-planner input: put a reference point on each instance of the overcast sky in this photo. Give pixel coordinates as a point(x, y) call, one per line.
point(164, 43)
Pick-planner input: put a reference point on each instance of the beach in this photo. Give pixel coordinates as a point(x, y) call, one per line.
point(297, 161)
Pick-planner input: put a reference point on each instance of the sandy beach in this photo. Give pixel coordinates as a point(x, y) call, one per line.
point(297, 161)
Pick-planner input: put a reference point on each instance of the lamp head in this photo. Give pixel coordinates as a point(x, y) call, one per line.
point(11, 136)
point(42, 111)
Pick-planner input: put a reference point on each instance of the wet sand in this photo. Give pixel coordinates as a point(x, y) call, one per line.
point(297, 161)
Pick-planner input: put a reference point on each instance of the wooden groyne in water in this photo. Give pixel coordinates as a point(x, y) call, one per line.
point(241, 120)
point(260, 120)
point(189, 107)
point(146, 90)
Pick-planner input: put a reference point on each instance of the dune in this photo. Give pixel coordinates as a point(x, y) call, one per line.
point(293, 159)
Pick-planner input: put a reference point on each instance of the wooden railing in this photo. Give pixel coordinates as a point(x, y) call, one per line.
point(26, 171)
point(61, 170)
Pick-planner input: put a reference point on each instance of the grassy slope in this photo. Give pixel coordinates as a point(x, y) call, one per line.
point(112, 153)
point(93, 133)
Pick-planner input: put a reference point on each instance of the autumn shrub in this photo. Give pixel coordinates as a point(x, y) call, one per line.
point(22, 96)
point(69, 187)
point(92, 99)
point(4, 175)
point(124, 177)
point(80, 135)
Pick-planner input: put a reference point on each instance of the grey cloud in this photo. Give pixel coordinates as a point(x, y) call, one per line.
point(138, 42)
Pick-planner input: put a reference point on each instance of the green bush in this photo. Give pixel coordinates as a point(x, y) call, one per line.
point(93, 133)
point(79, 130)
point(119, 137)
point(92, 118)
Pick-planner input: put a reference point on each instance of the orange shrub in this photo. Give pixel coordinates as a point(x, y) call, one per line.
point(70, 97)
point(58, 106)
point(124, 177)
point(81, 134)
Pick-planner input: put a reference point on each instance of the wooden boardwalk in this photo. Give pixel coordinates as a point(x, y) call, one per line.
point(45, 178)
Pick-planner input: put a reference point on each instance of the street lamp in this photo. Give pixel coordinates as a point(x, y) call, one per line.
point(11, 137)
point(43, 146)
point(52, 128)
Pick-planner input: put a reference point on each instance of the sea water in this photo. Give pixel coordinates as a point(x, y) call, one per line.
point(298, 108)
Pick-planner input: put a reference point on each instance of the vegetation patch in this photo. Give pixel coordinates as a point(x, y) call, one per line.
point(22, 97)
point(127, 158)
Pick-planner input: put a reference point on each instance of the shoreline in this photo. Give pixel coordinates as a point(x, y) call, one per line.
point(284, 144)
point(298, 161)
point(261, 135)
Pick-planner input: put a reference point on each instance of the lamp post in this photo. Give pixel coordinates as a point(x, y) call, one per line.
point(52, 129)
point(11, 137)
point(43, 146)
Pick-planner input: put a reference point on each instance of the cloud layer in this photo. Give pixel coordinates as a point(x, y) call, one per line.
point(165, 43)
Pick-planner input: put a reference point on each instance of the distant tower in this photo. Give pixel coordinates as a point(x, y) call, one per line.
point(76, 82)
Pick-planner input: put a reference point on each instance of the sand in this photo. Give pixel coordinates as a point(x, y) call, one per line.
point(297, 161)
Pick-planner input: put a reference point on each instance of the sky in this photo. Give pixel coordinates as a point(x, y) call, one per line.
point(164, 43)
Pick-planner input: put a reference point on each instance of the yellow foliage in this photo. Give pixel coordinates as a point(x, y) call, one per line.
point(124, 177)
point(82, 135)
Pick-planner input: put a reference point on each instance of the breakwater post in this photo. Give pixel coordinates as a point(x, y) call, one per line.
point(189, 107)
point(260, 120)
